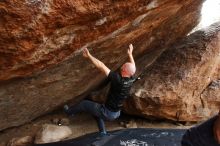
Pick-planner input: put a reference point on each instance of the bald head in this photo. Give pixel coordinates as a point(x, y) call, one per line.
point(128, 69)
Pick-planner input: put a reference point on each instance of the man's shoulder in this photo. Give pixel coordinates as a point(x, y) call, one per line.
point(114, 75)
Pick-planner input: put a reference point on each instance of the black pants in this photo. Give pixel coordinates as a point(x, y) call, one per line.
point(99, 111)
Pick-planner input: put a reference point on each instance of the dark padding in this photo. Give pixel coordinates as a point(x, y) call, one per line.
point(127, 137)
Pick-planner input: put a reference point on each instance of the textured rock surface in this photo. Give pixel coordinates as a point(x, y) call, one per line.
point(183, 84)
point(36, 34)
point(41, 43)
point(210, 97)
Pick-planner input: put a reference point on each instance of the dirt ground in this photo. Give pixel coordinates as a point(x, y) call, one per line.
point(82, 124)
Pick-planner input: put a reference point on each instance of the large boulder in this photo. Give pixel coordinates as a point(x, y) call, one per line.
point(183, 83)
point(41, 66)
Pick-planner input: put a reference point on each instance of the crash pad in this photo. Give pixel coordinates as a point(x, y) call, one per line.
point(127, 137)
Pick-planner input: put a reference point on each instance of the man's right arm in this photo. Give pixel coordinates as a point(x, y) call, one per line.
point(100, 65)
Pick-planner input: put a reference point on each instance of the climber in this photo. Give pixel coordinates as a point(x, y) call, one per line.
point(119, 90)
point(205, 134)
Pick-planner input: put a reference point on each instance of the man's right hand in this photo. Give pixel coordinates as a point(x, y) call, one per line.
point(216, 129)
point(100, 65)
point(86, 53)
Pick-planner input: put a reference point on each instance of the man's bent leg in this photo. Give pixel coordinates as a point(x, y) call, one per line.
point(101, 125)
point(90, 107)
point(84, 106)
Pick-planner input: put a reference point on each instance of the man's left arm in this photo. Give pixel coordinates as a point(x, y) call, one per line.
point(130, 55)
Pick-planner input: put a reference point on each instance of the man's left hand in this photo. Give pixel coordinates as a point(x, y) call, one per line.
point(130, 50)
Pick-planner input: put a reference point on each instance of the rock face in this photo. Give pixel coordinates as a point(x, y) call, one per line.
point(41, 66)
point(36, 34)
point(183, 84)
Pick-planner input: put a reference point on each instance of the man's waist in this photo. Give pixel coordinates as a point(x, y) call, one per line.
point(112, 108)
